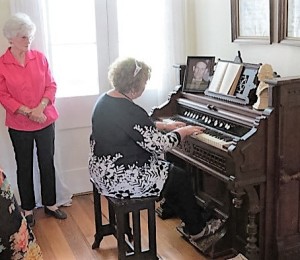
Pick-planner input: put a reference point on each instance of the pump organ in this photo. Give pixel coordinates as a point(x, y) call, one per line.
point(245, 166)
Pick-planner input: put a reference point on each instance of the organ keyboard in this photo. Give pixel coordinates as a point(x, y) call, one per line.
point(209, 136)
point(240, 165)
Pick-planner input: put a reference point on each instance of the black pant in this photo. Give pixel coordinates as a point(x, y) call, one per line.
point(23, 143)
point(178, 192)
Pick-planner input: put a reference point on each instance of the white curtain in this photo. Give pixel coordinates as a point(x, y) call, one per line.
point(174, 44)
point(35, 10)
point(153, 31)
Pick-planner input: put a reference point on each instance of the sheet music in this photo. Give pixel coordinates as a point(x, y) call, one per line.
point(218, 76)
point(225, 77)
point(231, 77)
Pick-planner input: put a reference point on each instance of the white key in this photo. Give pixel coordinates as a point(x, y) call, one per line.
point(211, 140)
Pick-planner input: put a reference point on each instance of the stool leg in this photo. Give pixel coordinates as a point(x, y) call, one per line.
point(112, 221)
point(152, 231)
point(137, 232)
point(128, 228)
point(122, 245)
point(111, 214)
point(98, 218)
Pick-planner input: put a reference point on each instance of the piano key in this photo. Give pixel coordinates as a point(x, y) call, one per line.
point(213, 141)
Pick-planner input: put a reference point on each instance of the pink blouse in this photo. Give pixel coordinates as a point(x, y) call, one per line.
point(26, 85)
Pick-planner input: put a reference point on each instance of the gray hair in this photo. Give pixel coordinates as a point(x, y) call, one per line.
point(19, 24)
point(126, 74)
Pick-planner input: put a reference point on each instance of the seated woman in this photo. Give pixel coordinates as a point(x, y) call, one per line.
point(17, 240)
point(126, 148)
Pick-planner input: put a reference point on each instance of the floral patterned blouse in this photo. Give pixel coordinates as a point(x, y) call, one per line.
point(126, 148)
point(17, 240)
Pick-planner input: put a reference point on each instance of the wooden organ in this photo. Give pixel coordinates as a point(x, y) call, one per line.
point(246, 166)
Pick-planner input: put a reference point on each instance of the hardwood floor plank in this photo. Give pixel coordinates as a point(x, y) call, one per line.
point(56, 238)
point(76, 239)
point(43, 241)
point(82, 217)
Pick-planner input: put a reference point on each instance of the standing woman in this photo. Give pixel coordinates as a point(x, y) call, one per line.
point(126, 145)
point(27, 93)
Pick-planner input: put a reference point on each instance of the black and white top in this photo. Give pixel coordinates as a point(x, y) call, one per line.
point(126, 149)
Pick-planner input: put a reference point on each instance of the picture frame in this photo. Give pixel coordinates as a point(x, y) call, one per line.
point(252, 21)
point(288, 22)
point(198, 72)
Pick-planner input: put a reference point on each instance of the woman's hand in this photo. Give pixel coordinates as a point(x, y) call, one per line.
point(23, 110)
point(189, 130)
point(37, 115)
point(39, 118)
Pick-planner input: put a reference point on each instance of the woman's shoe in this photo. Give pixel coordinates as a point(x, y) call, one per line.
point(30, 220)
point(59, 214)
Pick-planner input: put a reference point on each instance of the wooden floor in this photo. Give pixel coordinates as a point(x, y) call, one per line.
point(72, 238)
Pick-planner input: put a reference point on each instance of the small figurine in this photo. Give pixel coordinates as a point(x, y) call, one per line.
point(265, 72)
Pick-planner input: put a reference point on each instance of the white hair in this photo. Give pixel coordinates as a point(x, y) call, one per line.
point(19, 24)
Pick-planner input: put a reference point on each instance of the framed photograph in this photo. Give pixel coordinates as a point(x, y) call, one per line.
point(289, 22)
point(252, 21)
point(198, 72)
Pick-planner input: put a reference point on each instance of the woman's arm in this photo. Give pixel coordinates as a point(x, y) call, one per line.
point(168, 125)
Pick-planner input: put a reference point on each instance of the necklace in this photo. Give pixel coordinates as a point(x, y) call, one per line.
point(125, 95)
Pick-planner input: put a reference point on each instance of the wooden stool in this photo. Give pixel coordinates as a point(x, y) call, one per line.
point(119, 225)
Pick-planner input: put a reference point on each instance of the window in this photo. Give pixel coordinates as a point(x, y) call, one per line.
point(73, 47)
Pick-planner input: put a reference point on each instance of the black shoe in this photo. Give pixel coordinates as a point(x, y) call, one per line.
point(59, 214)
point(30, 220)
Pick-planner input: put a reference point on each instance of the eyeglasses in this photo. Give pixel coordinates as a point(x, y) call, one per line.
point(137, 69)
